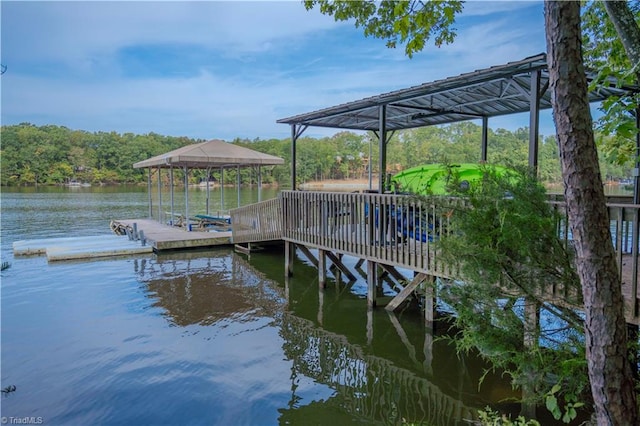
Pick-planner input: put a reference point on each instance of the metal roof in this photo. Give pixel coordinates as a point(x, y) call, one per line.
point(498, 90)
point(214, 153)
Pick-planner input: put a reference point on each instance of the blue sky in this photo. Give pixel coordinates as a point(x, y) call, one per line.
point(214, 69)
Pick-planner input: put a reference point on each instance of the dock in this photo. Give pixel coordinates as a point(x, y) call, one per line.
point(74, 248)
point(150, 236)
point(165, 237)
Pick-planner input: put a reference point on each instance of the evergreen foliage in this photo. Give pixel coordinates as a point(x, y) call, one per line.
point(506, 234)
point(53, 155)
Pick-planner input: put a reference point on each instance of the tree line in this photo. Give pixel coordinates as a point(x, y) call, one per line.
point(54, 155)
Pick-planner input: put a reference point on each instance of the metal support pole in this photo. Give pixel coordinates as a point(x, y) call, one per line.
point(259, 183)
point(171, 184)
point(186, 197)
point(222, 209)
point(382, 156)
point(485, 139)
point(159, 195)
point(294, 139)
point(534, 120)
point(149, 192)
point(208, 190)
point(238, 184)
point(370, 171)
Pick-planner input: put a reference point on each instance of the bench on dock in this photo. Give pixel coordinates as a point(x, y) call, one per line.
point(204, 221)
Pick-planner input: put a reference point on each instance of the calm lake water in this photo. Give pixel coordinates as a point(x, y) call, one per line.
point(209, 337)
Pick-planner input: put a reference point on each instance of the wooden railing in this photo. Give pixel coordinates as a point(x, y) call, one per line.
point(391, 229)
point(257, 222)
point(625, 230)
point(400, 230)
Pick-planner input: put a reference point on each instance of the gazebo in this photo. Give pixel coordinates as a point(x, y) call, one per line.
point(216, 154)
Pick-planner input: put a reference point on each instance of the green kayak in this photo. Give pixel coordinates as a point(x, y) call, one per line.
point(433, 179)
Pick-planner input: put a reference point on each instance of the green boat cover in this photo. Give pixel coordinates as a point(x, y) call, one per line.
point(434, 179)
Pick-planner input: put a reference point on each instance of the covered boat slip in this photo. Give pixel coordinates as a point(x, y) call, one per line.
point(212, 155)
point(515, 87)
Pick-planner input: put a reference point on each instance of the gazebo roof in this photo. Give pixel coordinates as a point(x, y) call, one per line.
point(214, 153)
point(499, 90)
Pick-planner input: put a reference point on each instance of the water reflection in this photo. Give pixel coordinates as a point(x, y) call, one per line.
point(199, 288)
point(373, 366)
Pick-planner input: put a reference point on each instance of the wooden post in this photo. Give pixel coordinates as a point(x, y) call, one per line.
point(322, 268)
point(372, 279)
point(429, 301)
point(320, 305)
point(289, 249)
point(531, 333)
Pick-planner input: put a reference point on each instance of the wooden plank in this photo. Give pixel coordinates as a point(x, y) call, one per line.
point(406, 292)
point(336, 261)
point(165, 237)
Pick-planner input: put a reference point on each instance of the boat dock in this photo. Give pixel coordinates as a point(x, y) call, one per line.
point(165, 237)
point(131, 237)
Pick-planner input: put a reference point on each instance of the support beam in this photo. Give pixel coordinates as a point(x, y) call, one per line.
point(296, 132)
point(186, 197)
point(406, 292)
point(382, 147)
point(149, 193)
point(309, 255)
point(372, 279)
point(171, 185)
point(208, 190)
point(485, 139)
point(534, 120)
point(238, 181)
point(222, 209)
point(322, 268)
point(338, 263)
point(393, 272)
point(293, 157)
point(259, 183)
point(289, 250)
point(159, 195)
point(430, 303)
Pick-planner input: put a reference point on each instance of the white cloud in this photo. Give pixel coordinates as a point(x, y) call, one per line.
point(64, 66)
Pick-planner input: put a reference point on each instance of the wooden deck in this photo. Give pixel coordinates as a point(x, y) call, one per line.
point(387, 230)
point(164, 237)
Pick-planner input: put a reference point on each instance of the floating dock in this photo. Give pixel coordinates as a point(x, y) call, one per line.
point(72, 248)
point(143, 236)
